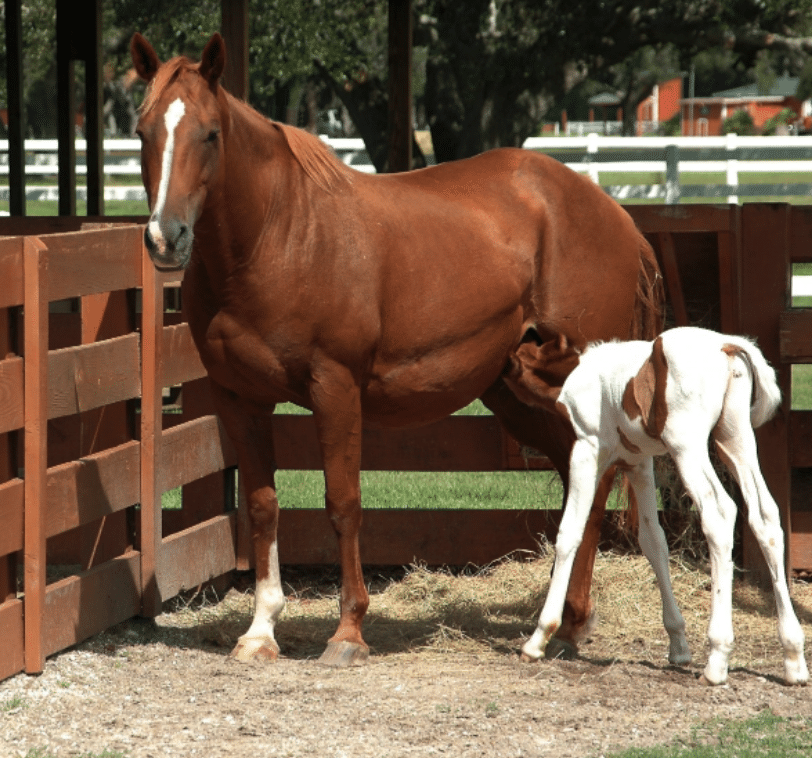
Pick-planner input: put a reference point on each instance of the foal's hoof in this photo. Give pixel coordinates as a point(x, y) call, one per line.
point(560, 649)
point(248, 650)
point(342, 654)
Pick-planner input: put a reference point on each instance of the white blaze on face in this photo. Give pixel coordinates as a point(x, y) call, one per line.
point(174, 113)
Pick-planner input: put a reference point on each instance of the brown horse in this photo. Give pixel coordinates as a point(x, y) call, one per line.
point(390, 300)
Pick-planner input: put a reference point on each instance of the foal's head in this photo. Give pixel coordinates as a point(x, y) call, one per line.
point(182, 143)
point(536, 372)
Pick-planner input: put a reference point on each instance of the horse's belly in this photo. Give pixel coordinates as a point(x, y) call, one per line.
point(418, 392)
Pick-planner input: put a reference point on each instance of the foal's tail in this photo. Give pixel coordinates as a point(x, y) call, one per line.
point(766, 395)
point(649, 300)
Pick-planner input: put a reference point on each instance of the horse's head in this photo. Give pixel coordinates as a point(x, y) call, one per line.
point(181, 131)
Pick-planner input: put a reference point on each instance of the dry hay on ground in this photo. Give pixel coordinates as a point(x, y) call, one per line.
point(444, 677)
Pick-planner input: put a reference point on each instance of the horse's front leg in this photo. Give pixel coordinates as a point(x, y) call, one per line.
point(250, 431)
point(337, 410)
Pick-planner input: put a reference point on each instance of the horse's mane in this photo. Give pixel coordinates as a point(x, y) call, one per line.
point(315, 158)
point(166, 74)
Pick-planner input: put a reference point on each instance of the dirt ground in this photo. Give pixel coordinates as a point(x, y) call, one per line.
point(444, 677)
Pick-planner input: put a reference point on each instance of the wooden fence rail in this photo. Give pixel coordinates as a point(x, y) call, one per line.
point(86, 449)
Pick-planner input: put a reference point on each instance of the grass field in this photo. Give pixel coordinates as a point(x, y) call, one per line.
point(765, 736)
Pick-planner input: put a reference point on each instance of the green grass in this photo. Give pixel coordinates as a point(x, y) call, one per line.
point(111, 208)
point(764, 736)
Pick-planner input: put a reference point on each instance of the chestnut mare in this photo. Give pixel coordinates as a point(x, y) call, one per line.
point(391, 300)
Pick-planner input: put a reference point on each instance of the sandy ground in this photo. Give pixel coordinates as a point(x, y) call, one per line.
point(444, 677)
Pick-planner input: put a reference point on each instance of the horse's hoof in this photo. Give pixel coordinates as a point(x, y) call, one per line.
point(705, 682)
point(560, 649)
point(250, 650)
point(342, 654)
point(526, 658)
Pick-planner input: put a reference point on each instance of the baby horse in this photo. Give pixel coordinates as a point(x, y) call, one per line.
point(630, 401)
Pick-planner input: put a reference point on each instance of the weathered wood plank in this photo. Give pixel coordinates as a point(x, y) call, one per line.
point(193, 450)
point(84, 377)
point(800, 439)
point(197, 554)
point(12, 658)
point(801, 544)
point(458, 443)
point(800, 234)
point(11, 271)
point(97, 485)
point(89, 262)
point(796, 335)
point(652, 219)
point(83, 605)
point(181, 361)
point(11, 516)
point(12, 409)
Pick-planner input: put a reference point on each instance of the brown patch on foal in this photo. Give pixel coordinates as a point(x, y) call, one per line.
point(644, 396)
point(628, 444)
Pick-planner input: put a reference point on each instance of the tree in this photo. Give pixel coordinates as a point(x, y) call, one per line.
point(496, 66)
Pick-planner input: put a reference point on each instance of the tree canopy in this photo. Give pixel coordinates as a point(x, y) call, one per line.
point(491, 71)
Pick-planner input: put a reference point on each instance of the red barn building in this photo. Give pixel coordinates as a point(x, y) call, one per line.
point(704, 116)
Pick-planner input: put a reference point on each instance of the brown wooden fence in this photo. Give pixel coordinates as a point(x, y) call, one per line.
point(93, 340)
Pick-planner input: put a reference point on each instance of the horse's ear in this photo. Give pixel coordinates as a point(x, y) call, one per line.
point(213, 60)
point(145, 59)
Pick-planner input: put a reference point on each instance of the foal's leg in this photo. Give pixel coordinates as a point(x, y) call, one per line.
point(551, 435)
point(718, 514)
point(583, 481)
point(250, 432)
point(737, 448)
point(337, 411)
point(655, 548)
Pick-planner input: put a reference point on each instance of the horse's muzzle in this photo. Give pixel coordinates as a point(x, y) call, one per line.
point(169, 244)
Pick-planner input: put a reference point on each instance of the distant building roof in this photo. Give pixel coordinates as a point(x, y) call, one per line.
point(784, 86)
point(604, 98)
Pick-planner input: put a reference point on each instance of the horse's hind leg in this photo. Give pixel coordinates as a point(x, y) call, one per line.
point(337, 411)
point(250, 432)
point(550, 435)
point(736, 445)
point(718, 515)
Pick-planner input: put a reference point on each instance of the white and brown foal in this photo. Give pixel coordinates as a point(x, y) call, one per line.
point(630, 401)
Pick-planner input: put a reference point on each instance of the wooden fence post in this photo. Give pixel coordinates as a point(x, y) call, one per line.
point(763, 295)
point(151, 434)
point(35, 265)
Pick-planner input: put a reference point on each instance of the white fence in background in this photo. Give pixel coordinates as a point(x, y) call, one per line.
point(670, 168)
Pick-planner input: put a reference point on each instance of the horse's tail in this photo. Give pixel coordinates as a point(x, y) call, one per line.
point(649, 301)
point(766, 395)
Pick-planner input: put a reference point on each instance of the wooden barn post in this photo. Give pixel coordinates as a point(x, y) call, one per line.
point(234, 28)
point(16, 124)
point(35, 264)
point(400, 85)
point(78, 37)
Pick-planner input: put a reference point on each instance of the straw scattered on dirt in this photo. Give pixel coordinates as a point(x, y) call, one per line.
point(444, 677)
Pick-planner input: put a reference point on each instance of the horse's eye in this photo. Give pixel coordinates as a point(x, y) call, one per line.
point(213, 135)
